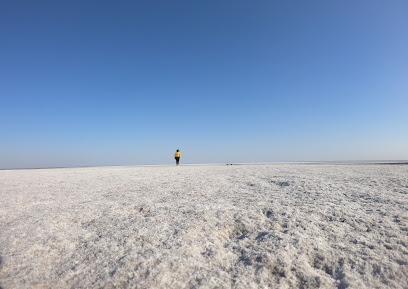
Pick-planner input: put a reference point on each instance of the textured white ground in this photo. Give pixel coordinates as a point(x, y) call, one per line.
point(241, 226)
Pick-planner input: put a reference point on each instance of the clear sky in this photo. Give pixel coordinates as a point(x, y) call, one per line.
point(129, 82)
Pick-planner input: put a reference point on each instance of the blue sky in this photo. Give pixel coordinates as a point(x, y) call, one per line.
point(129, 82)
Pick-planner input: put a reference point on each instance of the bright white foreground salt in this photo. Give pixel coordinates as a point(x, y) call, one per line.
point(244, 226)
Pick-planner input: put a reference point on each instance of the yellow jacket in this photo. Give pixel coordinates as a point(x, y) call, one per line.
point(177, 155)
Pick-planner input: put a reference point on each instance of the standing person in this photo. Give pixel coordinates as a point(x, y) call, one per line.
point(177, 157)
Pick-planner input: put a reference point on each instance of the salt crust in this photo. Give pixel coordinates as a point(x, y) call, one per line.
point(245, 226)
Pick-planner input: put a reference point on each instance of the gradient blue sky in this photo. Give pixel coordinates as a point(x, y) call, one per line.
point(129, 82)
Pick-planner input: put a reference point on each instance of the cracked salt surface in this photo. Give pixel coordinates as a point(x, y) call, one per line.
point(248, 226)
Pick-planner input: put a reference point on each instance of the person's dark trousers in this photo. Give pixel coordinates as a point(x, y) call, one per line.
point(177, 161)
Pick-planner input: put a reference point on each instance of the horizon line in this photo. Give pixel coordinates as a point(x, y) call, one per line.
point(383, 162)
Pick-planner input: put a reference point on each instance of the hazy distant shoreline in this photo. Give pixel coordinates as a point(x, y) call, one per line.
point(375, 162)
